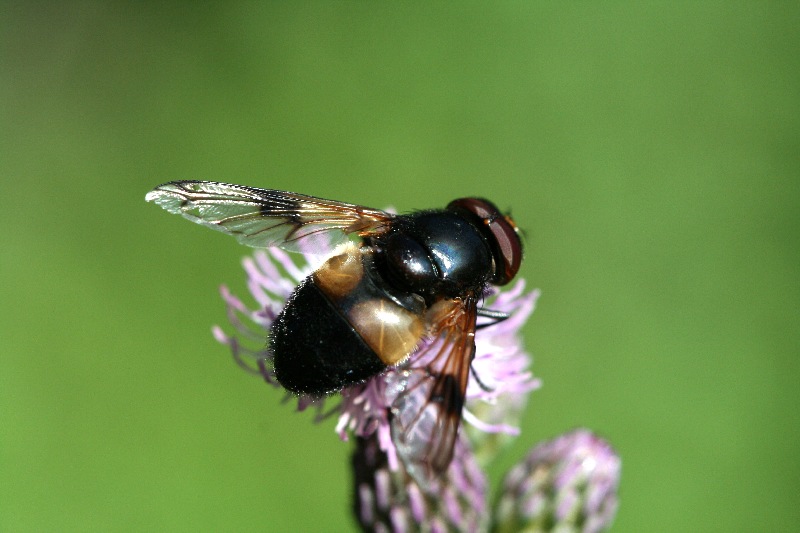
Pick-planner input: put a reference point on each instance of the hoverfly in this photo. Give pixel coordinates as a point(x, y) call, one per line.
point(391, 282)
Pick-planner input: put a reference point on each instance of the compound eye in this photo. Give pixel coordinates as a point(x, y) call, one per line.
point(409, 265)
point(500, 231)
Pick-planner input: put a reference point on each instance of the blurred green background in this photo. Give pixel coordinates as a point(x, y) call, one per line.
point(651, 152)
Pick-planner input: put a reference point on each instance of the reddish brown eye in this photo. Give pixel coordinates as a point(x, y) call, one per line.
point(500, 231)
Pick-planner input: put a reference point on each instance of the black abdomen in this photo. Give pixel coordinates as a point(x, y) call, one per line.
point(315, 350)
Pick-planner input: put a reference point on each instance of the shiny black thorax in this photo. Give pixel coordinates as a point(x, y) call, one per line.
point(434, 254)
point(424, 257)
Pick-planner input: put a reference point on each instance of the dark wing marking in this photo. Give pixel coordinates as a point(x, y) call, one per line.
point(427, 414)
point(262, 218)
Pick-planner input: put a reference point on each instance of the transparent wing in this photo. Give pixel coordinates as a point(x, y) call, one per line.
point(427, 413)
point(263, 218)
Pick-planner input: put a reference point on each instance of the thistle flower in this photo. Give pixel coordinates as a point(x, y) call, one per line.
point(499, 360)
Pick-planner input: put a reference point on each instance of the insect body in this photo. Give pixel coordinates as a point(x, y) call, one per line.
point(406, 278)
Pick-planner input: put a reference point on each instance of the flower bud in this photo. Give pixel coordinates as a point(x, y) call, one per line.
point(565, 485)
